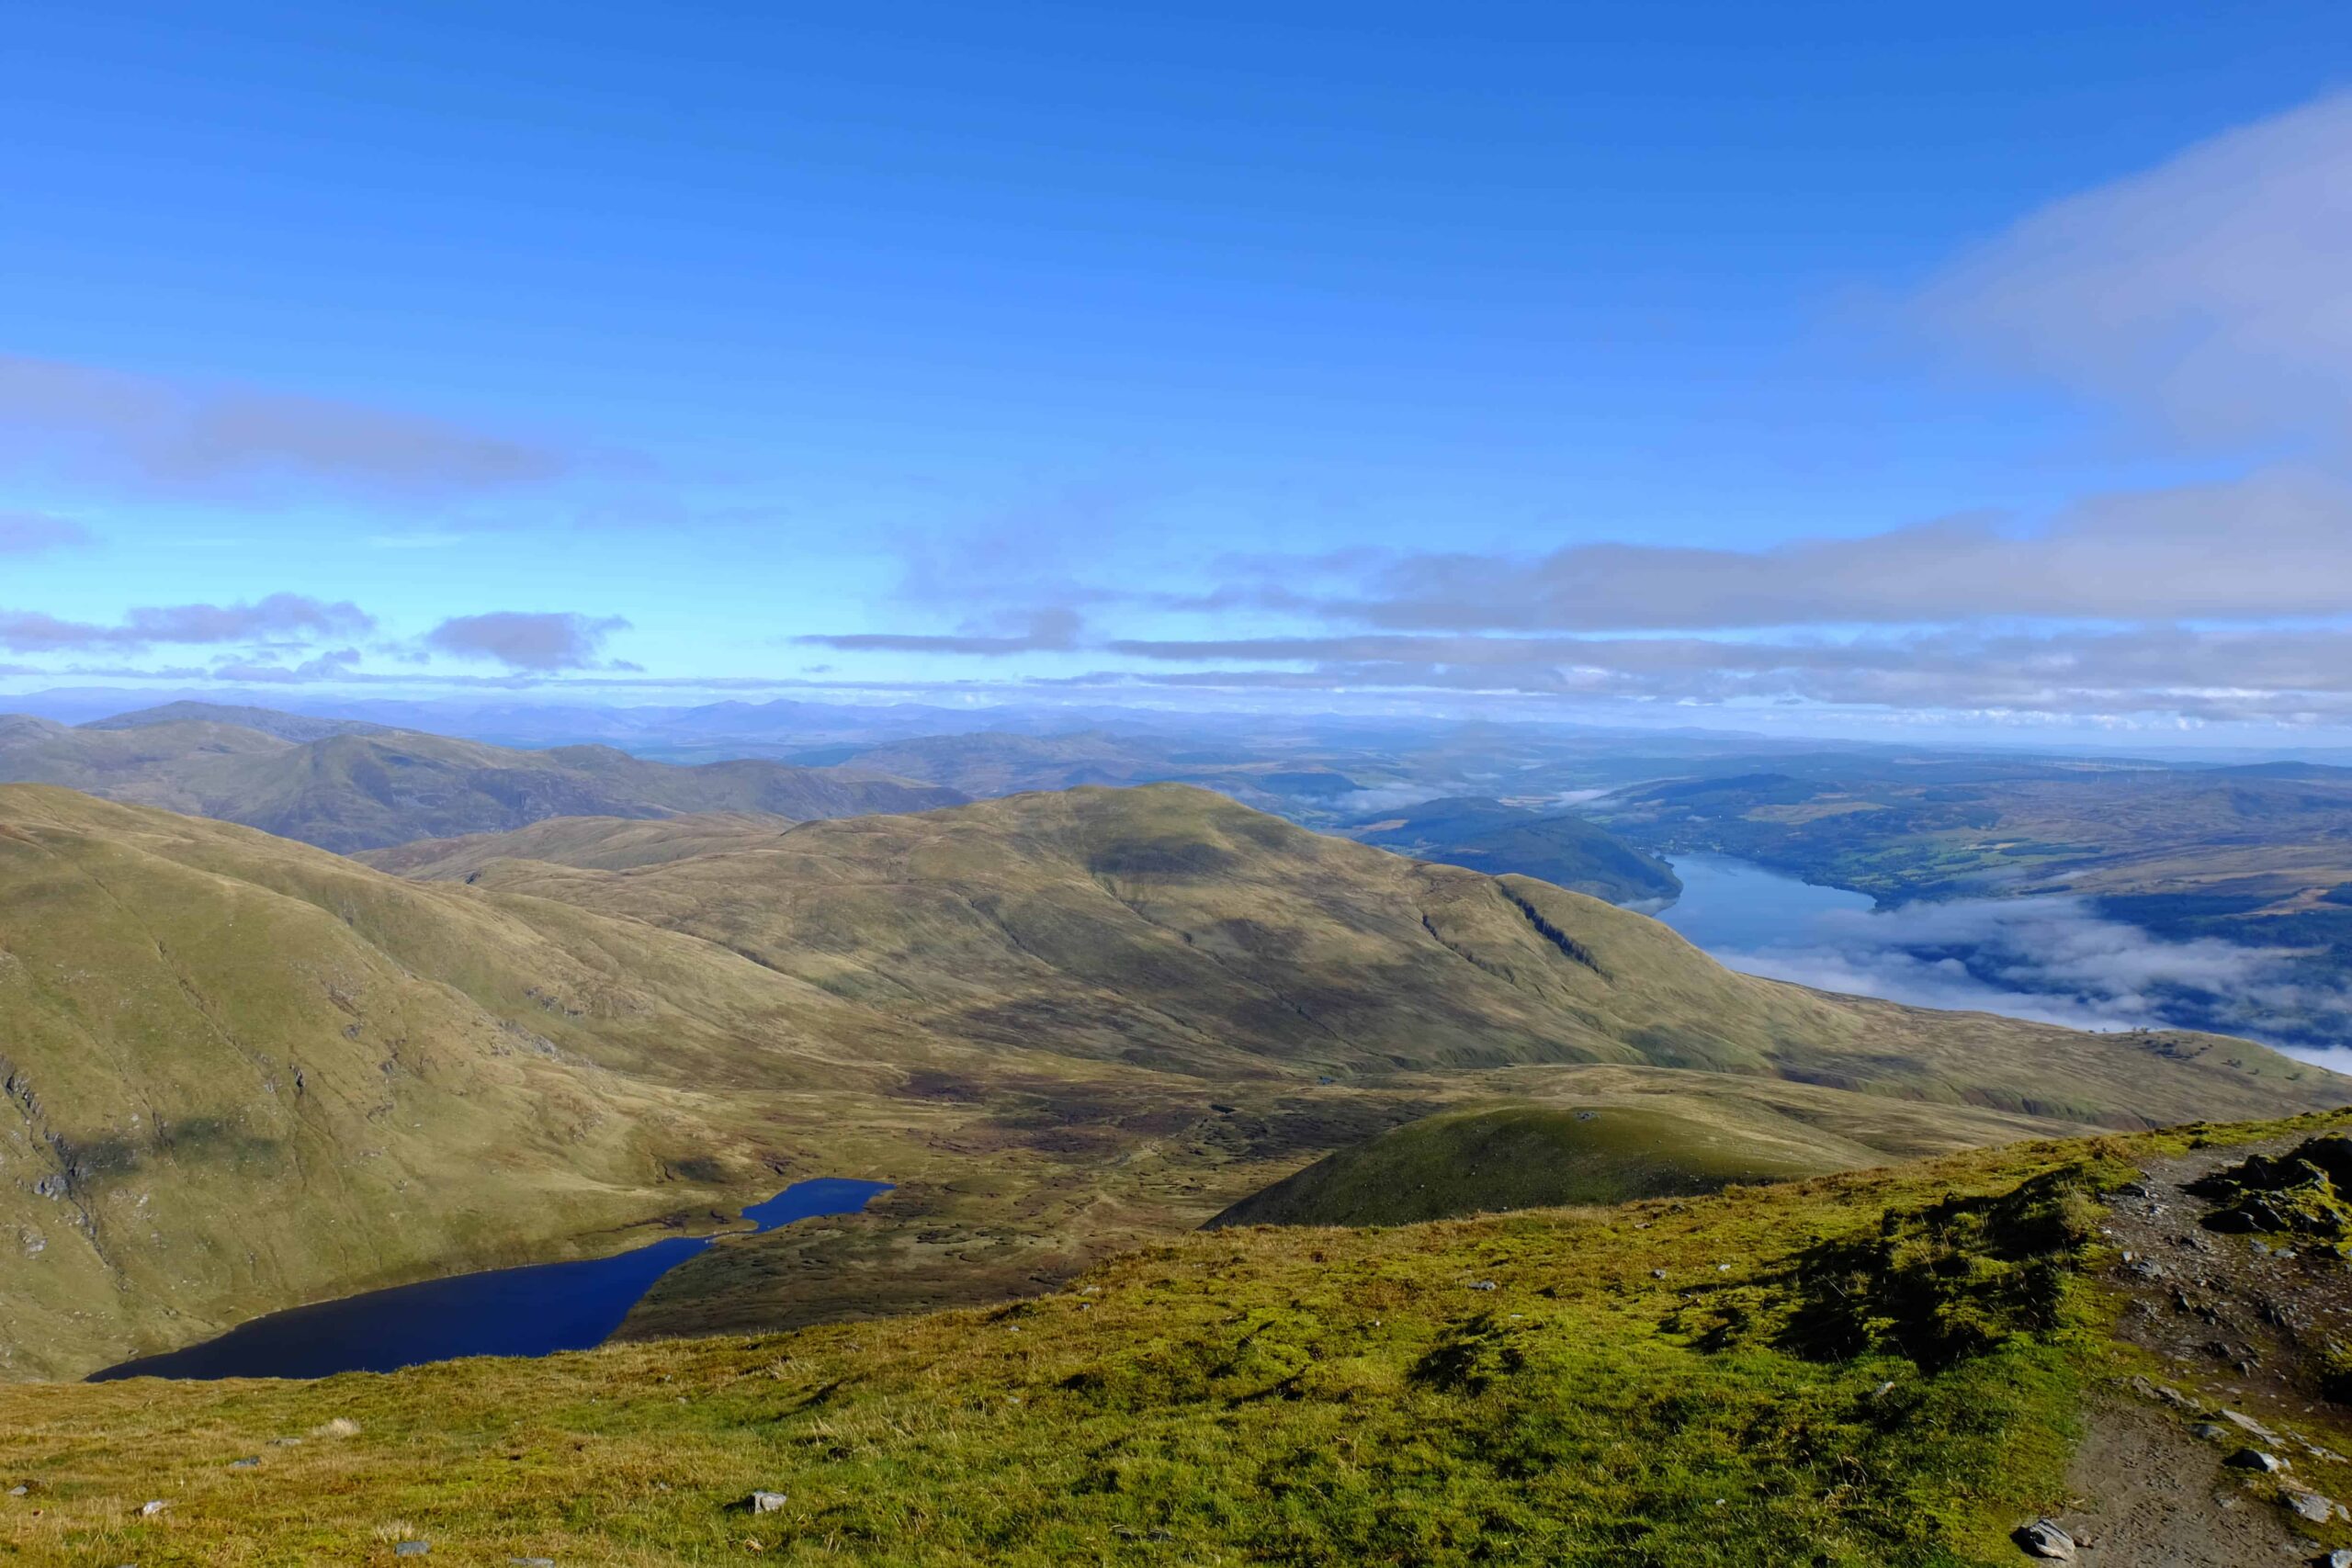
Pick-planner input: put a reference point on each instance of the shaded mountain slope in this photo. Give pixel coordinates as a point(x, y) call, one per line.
point(363, 787)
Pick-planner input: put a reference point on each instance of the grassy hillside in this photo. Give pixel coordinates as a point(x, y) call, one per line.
point(1170, 928)
point(1884, 1368)
point(351, 787)
point(241, 1073)
point(1489, 836)
point(594, 843)
point(1523, 1157)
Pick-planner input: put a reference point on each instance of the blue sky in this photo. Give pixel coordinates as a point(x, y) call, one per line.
point(1220, 353)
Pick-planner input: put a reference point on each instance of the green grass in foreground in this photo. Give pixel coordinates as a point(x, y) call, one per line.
point(1290, 1395)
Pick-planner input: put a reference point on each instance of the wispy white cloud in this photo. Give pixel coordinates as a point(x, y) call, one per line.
point(539, 641)
point(279, 616)
point(1039, 631)
point(34, 533)
point(2206, 293)
point(151, 434)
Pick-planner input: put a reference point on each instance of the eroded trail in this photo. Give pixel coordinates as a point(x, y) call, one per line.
point(2239, 1329)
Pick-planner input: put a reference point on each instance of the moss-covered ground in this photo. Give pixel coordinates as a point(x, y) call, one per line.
point(1882, 1366)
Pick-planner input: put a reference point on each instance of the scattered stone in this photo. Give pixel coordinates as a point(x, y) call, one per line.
point(531, 1562)
point(149, 1509)
point(2248, 1424)
point(251, 1461)
point(766, 1502)
point(2209, 1431)
point(1882, 1389)
point(411, 1549)
point(2311, 1506)
point(2256, 1458)
point(2046, 1539)
point(1657, 1273)
point(1723, 1267)
point(285, 1442)
point(341, 1427)
point(18, 1490)
point(2340, 1558)
point(1482, 1284)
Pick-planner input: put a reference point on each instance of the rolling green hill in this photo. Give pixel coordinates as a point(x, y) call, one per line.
point(1523, 1157)
point(241, 1072)
point(349, 787)
point(1169, 928)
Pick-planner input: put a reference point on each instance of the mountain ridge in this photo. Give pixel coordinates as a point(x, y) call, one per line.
point(365, 787)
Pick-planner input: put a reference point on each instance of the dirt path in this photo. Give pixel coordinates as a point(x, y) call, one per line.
point(2157, 1497)
point(2239, 1325)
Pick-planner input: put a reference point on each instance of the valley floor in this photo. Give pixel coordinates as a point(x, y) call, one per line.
point(1880, 1367)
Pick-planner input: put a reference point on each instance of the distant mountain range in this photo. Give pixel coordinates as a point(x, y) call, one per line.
point(348, 786)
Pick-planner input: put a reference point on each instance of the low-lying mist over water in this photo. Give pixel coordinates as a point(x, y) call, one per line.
point(2051, 957)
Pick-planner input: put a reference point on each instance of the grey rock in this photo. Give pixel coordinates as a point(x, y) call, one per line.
point(1482, 1284)
point(1657, 1273)
point(2209, 1431)
point(532, 1562)
point(251, 1461)
point(2046, 1539)
point(413, 1549)
point(2311, 1506)
point(766, 1502)
point(2340, 1558)
point(2256, 1458)
point(148, 1510)
point(2245, 1423)
point(18, 1491)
